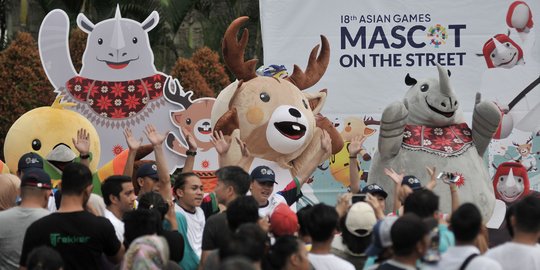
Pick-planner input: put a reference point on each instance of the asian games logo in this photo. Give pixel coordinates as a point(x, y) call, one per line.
point(437, 35)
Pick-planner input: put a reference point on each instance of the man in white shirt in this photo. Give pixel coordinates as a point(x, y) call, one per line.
point(35, 190)
point(119, 196)
point(466, 223)
point(263, 180)
point(188, 191)
point(523, 252)
point(322, 225)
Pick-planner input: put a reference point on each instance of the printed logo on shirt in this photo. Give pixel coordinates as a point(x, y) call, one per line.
point(57, 238)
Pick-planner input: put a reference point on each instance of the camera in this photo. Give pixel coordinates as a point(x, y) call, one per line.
point(358, 198)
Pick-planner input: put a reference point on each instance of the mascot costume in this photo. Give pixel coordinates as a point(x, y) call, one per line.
point(427, 128)
point(48, 131)
point(275, 119)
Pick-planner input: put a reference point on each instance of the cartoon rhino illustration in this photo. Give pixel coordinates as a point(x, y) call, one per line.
point(118, 85)
point(427, 128)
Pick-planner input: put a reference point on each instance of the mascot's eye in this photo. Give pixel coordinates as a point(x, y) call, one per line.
point(519, 180)
point(36, 144)
point(134, 40)
point(507, 44)
point(305, 104)
point(100, 41)
point(501, 179)
point(424, 87)
point(188, 121)
point(492, 55)
point(264, 97)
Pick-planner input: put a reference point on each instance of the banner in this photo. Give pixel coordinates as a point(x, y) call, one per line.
point(489, 47)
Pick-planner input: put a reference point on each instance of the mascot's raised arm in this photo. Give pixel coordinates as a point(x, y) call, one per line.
point(427, 128)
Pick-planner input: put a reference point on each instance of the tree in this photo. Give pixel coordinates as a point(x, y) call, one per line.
point(208, 65)
point(190, 78)
point(24, 84)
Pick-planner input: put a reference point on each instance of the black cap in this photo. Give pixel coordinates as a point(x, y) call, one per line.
point(375, 189)
point(35, 177)
point(30, 160)
point(263, 174)
point(148, 169)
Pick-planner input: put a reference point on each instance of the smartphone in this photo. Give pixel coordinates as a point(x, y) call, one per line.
point(358, 198)
point(448, 177)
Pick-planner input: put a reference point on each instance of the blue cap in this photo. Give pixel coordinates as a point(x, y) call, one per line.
point(263, 174)
point(412, 182)
point(148, 169)
point(35, 177)
point(381, 238)
point(30, 160)
point(375, 189)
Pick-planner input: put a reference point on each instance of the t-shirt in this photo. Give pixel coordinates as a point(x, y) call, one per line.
point(329, 262)
point(13, 225)
point(289, 195)
point(454, 257)
point(216, 232)
point(117, 224)
point(175, 240)
point(513, 255)
point(79, 237)
point(394, 265)
point(195, 227)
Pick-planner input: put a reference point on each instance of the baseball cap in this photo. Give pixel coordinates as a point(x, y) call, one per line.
point(412, 182)
point(263, 174)
point(148, 169)
point(35, 177)
point(375, 189)
point(360, 219)
point(30, 160)
point(283, 221)
point(381, 238)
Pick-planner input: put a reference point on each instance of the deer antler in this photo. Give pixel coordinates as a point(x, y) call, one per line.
point(233, 51)
point(516, 144)
point(177, 95)
point(315, 69)
point(370, 121)
point(529, 140)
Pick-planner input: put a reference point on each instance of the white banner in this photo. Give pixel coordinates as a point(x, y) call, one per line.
point(374, 44)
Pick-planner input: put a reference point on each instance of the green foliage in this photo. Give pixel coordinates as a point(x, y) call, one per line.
point(24, 84)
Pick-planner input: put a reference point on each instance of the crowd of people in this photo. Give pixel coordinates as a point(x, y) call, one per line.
point(146, 219)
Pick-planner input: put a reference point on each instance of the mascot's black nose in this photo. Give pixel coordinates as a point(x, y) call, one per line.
point(294, 112)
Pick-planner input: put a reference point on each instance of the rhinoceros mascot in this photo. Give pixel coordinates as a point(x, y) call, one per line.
point(118, 85)
point(427, 128)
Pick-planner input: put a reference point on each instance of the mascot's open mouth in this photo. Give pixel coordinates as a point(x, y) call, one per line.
point(291, 130)
point(117, 65)
point(445, 114)
point(509, 61)
point(205, 130)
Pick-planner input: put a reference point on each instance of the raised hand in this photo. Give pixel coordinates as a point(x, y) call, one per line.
point(397, 177)
point(82, 142)
point(131, 141)
point(356, 145)
point(433, 179)
point(221, 144)
point(153, 136)
point(192, 143)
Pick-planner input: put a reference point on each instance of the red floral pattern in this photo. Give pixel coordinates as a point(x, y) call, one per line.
point(117, 100)
point(446, 141)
